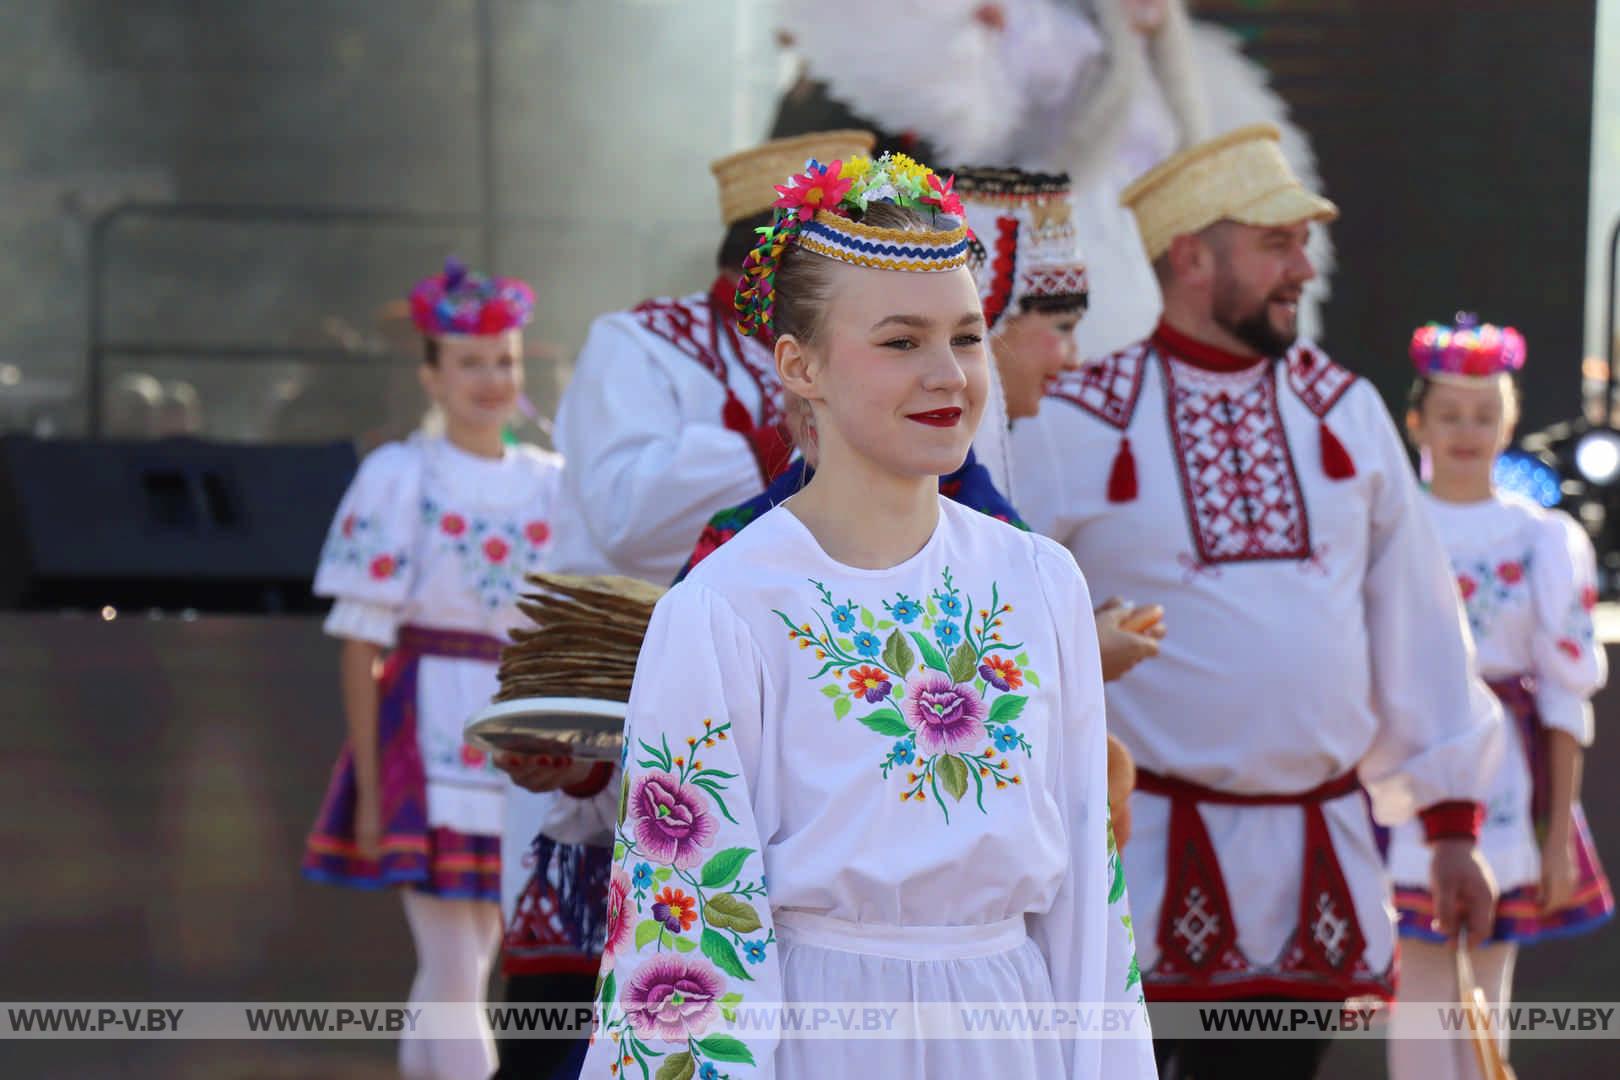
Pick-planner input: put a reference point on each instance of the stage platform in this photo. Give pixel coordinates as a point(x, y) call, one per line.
point(162, 774)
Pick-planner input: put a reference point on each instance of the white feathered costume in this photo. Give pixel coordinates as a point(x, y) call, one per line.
point(1063, 85)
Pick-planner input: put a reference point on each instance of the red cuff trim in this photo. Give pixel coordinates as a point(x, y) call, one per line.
point(1457, 820)
point(593, 783)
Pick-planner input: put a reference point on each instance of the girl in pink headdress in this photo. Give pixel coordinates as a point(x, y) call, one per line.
point(1527, 580)
point(424, 562)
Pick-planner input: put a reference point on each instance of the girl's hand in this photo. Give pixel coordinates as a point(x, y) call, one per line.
point(543, 772)
point(1121, 780)
point(368, 826)
point(1559, 874)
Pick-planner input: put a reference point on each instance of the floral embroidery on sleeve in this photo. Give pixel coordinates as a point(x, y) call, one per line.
point(1120, 907)
point(943, 690)
point(1579, 634)
point(357, 541)
point(685, 905)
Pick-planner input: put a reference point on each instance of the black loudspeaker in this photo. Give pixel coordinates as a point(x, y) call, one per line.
point(175, 524)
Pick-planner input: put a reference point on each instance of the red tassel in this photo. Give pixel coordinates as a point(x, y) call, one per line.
point(1336, 460)
point(736, 417)
point(1122, 477)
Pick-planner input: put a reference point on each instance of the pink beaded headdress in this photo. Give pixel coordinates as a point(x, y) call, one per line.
point(1467, 351)
point(458, 303)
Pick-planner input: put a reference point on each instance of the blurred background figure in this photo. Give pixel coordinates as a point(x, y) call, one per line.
point(134, 402)
point(180, 411)
point(1101, 89)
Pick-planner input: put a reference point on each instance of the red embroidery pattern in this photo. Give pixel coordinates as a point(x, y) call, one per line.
point(1199, 957)
point(1244, 501)
point(1328, 941)
point(695, 328)
point(1107, 388)
point(1318, 381)
point(1001, 269)
point(1197, 936)
point(1055, 281)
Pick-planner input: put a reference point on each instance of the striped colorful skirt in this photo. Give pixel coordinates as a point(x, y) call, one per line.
point(1519, 917)
point(430, 859)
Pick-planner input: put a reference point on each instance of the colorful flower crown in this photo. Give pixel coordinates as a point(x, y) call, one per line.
point(819, 210)
point(1468, 349)
point(460, 303)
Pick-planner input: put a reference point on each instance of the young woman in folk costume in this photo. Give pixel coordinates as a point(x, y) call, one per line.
point(424, 563)
point(1031, 278)
point(1527, 578)
point(865, 748)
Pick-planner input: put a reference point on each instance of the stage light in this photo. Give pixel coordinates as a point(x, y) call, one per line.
point(1597, 457)
point(1520, 472)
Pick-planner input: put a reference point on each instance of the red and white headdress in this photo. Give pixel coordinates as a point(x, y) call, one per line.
point(1026, 254)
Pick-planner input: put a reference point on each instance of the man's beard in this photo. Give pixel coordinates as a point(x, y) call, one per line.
point(1254, 329)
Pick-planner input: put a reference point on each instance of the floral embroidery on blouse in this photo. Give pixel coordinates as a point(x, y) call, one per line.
point(357, 541)
point(691, 908)
point(1487, 587)
point(1116, 898)
point(495, 552)
point(943, 691)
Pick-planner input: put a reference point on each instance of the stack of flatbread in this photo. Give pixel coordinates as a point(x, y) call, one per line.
point(586, 635)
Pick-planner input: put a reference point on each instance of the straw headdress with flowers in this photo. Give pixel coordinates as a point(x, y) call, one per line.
point(821, 208)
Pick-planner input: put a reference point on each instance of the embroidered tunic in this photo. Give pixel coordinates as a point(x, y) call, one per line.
point(864, 785)
point(431, 536)
point(1527, 580)
point(1313, 631)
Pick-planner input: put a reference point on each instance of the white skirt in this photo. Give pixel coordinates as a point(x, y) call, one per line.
point(831, 960)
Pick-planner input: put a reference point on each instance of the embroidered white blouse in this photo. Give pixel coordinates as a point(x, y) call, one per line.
point(864, 785)
point(1527, 578)
point(429, 535)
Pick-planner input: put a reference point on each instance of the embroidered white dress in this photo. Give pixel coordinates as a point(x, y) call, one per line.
point(864, 786)
point(1312, 632)
point(1526, 577)
point(432, 537)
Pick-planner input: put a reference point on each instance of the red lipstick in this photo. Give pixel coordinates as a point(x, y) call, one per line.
point(937, 417)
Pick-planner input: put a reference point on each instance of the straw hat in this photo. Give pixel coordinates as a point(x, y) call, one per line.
point(748, 178)
point(1240, 176)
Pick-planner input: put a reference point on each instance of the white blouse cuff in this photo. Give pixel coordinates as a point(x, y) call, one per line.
point(376, 623)
point(1563, 711)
